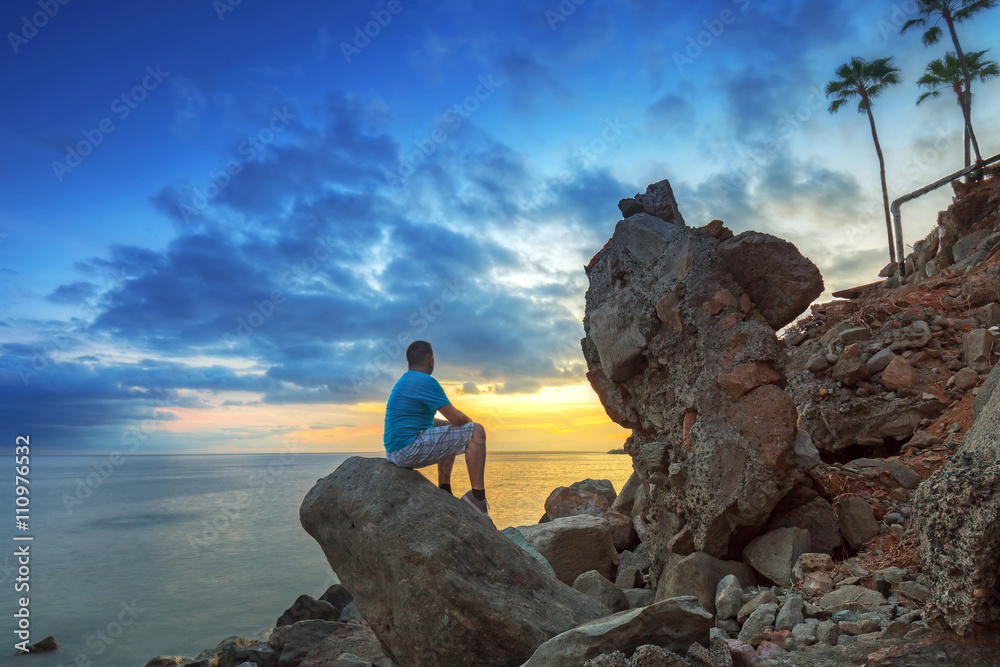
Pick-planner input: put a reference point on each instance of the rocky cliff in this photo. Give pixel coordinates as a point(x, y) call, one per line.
point(681, 348)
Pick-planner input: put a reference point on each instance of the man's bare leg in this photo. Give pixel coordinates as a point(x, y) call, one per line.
point(444, 471)
point(475, 458)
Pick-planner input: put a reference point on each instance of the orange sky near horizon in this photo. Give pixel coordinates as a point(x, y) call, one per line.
point(564, 418)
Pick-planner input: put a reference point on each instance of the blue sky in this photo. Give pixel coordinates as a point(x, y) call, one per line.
point(218, 220)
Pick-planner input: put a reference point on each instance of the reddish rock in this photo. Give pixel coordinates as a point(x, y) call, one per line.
point(770, 650)
point(663, 383)
point(721, 299)
point(766, 418)
point(743, 654)
point(748, 377)
point(900, 375)
point(850, 370)
point(668, 312)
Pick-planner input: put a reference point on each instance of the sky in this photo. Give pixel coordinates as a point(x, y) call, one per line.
point(222, 221)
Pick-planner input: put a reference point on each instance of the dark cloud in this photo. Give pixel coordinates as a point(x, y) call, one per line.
point(73, 293)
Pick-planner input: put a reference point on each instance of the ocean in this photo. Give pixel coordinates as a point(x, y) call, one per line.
point(168, 555)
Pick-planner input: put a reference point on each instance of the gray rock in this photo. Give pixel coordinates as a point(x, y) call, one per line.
point(966, 245)
point(720, 461)
point(857, 521)
point(977, 347)
point(350, 660)
point(923, 440)
point(625, 501)
point(774, 554)
point(761, 598)
point(816, 516)
point(895, 630)
point(303, 637)
point(957, 512)
point(729, 625)
point(760, 620)
point(985, 392)
point(914, 591)
point(790, 614)
point(305, 608)
point(989, 314)
point(851, 598)
point(374, 520)
point(628, 577)
point(854, 335)
point(602, 487)
point(658, 200)
point(805, 456)
point(518, 538)
point(356, 639)
point(965, 379)
point(827, 632)
point(728, 597)
point(671, 624)
point(574, 545)
point(780, 281)
point(640, 597)
point(806, 633)
point(817, 363)
point(699, 574)
point(906, 477)
point(594, 585)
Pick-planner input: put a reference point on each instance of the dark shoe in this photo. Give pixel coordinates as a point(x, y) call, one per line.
point(481, 506)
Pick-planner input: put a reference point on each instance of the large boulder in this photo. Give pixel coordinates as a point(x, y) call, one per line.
point(699, 575)
point(658, 200)
point(435, 580)
point(602, 487)
point(958, 516)
point(774, 554)
point(355, 638)
point(780, 281)
point(573, 545)
point(681, 348)
point(672, 624)
point(580, 499)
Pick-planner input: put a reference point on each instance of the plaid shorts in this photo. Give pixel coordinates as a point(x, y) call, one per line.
point(433, 445)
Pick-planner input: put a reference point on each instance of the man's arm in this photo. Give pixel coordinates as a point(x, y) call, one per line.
point(454, 416)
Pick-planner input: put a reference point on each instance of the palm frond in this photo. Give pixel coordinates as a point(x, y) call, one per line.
point(913, 23)
point(932, 35)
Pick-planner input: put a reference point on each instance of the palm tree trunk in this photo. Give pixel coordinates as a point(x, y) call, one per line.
point(966, 101)
point(885, 189)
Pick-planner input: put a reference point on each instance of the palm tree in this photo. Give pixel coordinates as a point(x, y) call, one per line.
point(866, 79)
point(952, 12)
point(947, 73)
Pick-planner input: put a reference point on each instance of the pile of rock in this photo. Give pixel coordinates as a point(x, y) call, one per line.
point(311, 633)
point(873, 386)
point(964, 235)
point(681, 349)
point(718, 552)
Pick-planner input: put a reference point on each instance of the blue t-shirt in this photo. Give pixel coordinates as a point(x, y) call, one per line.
point(410, 409)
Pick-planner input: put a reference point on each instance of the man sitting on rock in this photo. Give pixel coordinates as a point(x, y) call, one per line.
point(415, 439)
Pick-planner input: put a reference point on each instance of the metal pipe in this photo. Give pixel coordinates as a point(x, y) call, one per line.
point(897, 216)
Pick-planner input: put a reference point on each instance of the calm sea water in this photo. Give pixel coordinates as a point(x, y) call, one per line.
point(168, 555)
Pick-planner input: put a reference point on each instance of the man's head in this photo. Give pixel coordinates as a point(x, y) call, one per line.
point(420, 356)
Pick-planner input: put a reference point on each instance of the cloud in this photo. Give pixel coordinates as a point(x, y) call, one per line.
point(73, 293)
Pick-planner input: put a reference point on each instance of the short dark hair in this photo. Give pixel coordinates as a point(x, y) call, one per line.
point(418, 352)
